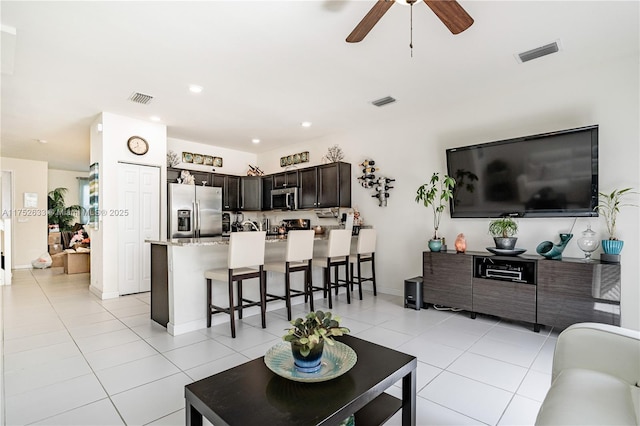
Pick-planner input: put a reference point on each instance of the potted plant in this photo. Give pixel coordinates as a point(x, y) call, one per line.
point(503, 230)
point(307, 337)
point(58, 213)
point(436, 194)
point(609, 206)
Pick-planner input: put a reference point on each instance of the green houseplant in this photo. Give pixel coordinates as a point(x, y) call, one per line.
point(503, 231)
point(609, 205)
point(307, 338)
point(58, 213)
point(436, 194)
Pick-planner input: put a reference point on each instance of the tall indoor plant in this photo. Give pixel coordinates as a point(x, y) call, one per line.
point(436, 194)
point(58, 213)
point(609, 205)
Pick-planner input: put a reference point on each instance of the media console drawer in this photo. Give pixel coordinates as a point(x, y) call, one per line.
point(516, 301)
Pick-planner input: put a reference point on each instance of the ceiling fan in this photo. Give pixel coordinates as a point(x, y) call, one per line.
point(452, 15)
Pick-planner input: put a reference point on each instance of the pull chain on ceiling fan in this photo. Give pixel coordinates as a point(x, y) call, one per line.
point(452, 15)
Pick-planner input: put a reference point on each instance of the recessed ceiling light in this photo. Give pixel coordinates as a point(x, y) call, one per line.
point(43, 141)
point(194, 88)
point(255, 140)
point(306, 124)
point(154, 118)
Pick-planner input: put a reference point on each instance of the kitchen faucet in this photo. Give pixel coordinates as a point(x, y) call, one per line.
point(250, 223)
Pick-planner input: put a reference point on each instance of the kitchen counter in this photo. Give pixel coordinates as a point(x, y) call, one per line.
point(224, 241)
point(178, 291)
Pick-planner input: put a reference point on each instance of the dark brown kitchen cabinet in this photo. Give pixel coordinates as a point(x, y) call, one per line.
point(285, 179)
point(198, 176)
point(250, 193)
point(325, 186)
point(267, 186)
point(447, 280)
point(230, 190)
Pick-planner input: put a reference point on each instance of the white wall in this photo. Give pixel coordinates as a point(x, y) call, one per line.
point(233, 162)
point(108, 148)
point(66, 179)
point(412, 149)
point(29, 225)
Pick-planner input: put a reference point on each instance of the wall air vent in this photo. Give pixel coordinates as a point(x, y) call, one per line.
point(538, 52)
point(140, 98)
point(383, 101)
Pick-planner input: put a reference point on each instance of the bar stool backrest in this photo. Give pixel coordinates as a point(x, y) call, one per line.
point(339, 243)
point(299, 245)
point(246, 249)
point(366, 241)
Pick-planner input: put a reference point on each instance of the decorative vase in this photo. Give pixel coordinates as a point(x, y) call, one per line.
point(551, 250)
point(612, 246)
point(435, 245)
point(310, 363)
point(505, 243)
point(588, 243)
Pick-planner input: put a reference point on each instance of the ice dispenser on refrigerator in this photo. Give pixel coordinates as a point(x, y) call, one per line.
point(194, 211)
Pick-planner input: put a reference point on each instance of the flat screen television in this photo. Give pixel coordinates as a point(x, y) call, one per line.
point(546, 175)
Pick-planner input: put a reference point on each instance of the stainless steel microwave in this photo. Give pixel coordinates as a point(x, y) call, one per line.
point(284, 199)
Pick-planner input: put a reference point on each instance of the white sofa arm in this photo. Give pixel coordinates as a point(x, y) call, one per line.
point(600, 347)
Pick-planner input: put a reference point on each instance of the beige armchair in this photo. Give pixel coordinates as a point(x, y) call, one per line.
point(595, 377)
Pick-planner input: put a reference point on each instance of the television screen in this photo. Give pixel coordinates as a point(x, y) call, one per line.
point(546, 175)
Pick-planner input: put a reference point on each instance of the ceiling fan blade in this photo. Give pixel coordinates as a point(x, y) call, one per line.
point(452, 15)
point(369, 20)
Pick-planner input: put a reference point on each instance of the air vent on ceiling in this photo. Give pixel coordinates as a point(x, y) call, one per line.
point(538, 52)
point(383, 101)
point(140, 98)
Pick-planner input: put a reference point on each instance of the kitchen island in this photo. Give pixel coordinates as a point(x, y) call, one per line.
point(178, 286)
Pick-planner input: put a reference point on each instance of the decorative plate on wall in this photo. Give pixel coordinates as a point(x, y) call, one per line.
point(187, 157)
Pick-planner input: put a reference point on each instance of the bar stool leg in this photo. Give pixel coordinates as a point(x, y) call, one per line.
point(373, 273)
point(327, 283)
point(287, 290)
point(359, 278)
point(309, 283)
point(263, 296)
point(232, 315)
point(208, 303)
point(240, 301)
point(346, 286)
point(336, 273)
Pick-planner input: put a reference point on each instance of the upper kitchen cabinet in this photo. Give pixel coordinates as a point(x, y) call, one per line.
point(285, 179)
point(325, 186)
point(267, 186)
point(250, 193)
point(230, 190)
point(198, 176)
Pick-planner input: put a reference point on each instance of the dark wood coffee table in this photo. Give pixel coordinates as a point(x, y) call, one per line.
point(252, 394)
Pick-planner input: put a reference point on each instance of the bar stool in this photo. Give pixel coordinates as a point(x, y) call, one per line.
point(338, 248)
point(245, 260)
point(298, 258)
point(365, 252)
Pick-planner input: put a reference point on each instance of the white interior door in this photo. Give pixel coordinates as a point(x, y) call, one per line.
point(139, 210)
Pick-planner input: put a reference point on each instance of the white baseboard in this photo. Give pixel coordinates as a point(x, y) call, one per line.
point(98, 292)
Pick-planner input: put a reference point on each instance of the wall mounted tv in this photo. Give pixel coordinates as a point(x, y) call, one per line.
point(547, 175)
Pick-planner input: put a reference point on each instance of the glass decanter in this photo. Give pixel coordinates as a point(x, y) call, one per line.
point(588, 243)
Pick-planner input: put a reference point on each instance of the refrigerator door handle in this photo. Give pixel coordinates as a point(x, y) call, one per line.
point(196, 219)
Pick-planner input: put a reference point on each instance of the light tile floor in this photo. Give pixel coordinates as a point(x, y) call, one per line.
point(70, 358)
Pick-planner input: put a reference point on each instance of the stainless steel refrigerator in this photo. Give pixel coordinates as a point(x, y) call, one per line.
point(194, 211)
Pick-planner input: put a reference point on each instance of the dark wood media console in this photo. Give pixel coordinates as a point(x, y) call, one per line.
point(554, 293)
